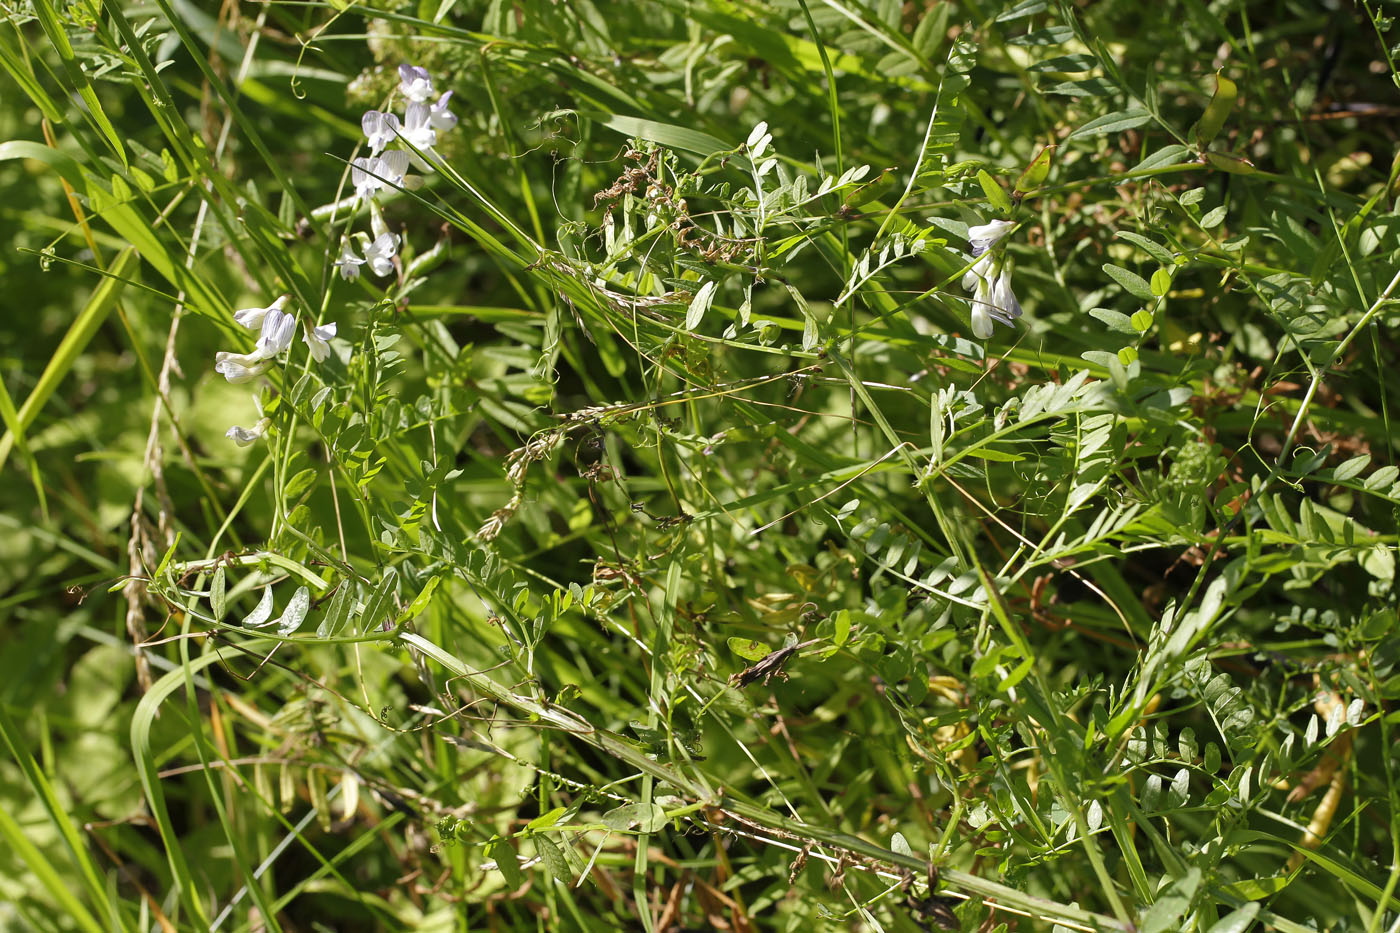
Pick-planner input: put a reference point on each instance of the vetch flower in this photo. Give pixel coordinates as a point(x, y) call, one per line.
point(439, 116)
point(348, 265)
point(317, 339)
point(380, 129)
point(1004, 302)
point(989, 279)
point(245, 436)
point(984, 236)
point(252, 318)
point(419, 133)
point(980, 270)
point(240, 367)
point(370, 175)
point(380, 252)
point(415, 83)
point(278, 329)
point(993, 302)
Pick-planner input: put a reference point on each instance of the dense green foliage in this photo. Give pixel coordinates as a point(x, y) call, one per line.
point(661, 542)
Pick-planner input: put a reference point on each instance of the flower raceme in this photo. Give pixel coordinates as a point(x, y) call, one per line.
point(385, 168)
point(276, 329)
point(989, 280)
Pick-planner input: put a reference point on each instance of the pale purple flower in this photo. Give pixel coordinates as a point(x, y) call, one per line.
point(252, 318)
point(240, 367)
point(439, 116)
point(370, 175)
point(418, 131)
point(415, 83)
point(380, 129)
point(317, 338)
point(278, 329)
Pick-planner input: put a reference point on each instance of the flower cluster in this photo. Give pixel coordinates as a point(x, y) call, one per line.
point(386, 168)
point(382, 169)
point(989, 279)
point(276, 328)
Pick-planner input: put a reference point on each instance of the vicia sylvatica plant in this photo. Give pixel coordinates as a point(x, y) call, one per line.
point(692, 465)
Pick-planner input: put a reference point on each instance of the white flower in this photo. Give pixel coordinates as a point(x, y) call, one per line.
point(981, 269)
point(240, 367)
point(1005, 307)
point(439, 116)
point(985, 236)
point(415, 83)
point(993, 302)
point(380, 129)
point(316, 338)
point(278, 329)
point(380, 252)
point(245, 436)
point(348, 265)
point(372, 174)
point(252, 318)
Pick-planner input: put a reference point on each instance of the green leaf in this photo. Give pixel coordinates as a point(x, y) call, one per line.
point(748, 649)
point(1213, 217)
point(1132, 283)
point(1141, 321)
point(664, 134)
point(1351, 468)
point(996, 194)
point(699, 304)
point(1116, 320)
point(1150, 247)
point(646, 818)
point(1383, 477)
point(546, 820)
point(553, 859)
point(377, 606)
point(1221, 103)
point(842, 625)
point(295, 613)
point(506, 863)
point(1112, 123)
point(336, 613)
point(1236, 921)
point(262, 613)
point(1035, 174)
point(1235, 165)
point(991, 453)
point(1161, 282)
point(218, 602)
point(420, 602)
point(299, 484)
